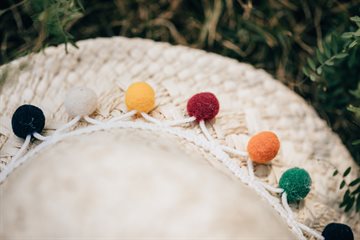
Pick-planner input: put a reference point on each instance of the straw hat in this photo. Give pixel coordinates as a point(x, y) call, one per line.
point(138, 179)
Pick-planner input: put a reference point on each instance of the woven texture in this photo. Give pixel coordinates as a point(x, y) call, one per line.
point(250, 101)
point(153, 187)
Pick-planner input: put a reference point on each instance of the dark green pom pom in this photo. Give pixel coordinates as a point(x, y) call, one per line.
point(296, 182)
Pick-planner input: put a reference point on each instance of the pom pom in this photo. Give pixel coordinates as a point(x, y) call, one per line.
point(337, 231)
point(296, 182)
point(80, 101)
point(140, 96)
point(203, 106)
point(26, 120)
point(263, 147)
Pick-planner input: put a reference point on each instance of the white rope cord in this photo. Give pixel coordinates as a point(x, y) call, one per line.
point(250, 168)
point(286, 204)
point(301, 226)
point(12, 165)
point(275, 202)
point(208, 145)
point(92, 120)
point(40, 137)
point(181, 121)
point(68, 125)
point(167, 123)
point(255, 184)
point(150, 118)
point(23, 147)
point(272, 189)
point(123, 117)
point(205, 131)
point(234, 151)
point(311, 231)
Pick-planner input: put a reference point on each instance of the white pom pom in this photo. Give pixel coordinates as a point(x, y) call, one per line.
point(80, 101)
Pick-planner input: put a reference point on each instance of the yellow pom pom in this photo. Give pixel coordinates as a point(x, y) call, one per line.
point(140, 96)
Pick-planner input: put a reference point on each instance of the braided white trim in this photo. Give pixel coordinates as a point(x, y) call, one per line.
point(208, 143)
point(23, 148)
point(74, 121)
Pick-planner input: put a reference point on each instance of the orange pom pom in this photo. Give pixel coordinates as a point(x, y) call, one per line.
point(263, 147)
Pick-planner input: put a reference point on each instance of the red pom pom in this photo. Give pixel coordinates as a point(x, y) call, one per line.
point(203, 106)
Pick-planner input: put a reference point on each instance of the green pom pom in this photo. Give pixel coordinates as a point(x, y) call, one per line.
point(296, 182)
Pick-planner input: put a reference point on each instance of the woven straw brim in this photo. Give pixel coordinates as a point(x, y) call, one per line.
point(251, 101)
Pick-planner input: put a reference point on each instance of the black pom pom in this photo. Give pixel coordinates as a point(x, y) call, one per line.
point(27, 119)
point(337, 231)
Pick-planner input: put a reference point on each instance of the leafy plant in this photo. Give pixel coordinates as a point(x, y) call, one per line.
point(352, 194)
point(335, 69)
point(330, 53)
point(39, 23)
point(355, 110)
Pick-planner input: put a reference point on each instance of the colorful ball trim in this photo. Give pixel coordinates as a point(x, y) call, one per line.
point(27, 120)
point(296, 182)
point(140, 96)
point(203, 106)
point(263, 147)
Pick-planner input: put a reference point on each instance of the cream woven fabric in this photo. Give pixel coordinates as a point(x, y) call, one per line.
point(251, 100)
